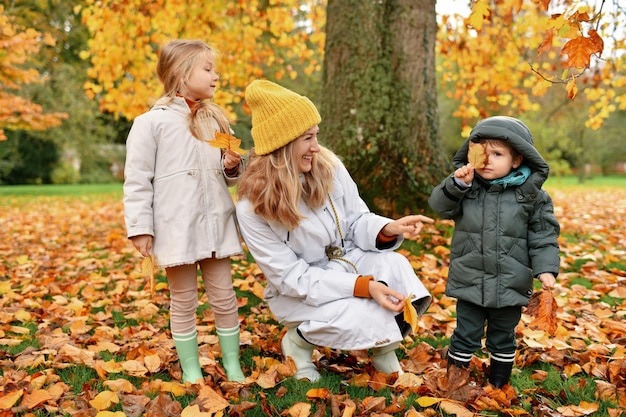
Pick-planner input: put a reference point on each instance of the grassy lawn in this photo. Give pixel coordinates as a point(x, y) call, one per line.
point(78, 317)
point(61, 190)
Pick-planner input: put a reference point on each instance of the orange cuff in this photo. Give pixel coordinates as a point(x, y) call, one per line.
point(361, 286)
point(385, 239)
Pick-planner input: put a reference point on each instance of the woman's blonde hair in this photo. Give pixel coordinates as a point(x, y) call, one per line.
point(176, 62)
point(274, 186)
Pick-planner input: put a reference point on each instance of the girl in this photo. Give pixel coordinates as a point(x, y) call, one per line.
point(332, 277)
point(176, 200)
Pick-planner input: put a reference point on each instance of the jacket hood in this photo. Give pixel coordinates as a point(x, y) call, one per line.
point(517, 134)
point(173, 103)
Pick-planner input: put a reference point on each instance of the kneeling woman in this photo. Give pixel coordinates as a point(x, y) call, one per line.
point(333, 278)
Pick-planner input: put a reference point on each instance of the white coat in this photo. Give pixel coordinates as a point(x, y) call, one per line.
point(307, 289)
point(175, 189)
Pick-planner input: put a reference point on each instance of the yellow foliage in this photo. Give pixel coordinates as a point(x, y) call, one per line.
point(254, 40)
point(496, 63)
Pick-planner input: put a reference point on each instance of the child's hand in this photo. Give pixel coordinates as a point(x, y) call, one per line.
point(547, 280)
point(143, 243)
point(231, 159)
point(465, 174)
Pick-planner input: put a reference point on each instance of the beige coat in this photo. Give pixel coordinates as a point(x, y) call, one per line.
point(175, 189)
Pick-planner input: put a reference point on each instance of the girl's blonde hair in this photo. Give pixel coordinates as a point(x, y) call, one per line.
point(176, 62)
point(274, 186)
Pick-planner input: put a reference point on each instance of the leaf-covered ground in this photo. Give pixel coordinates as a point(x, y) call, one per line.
point(84, 332)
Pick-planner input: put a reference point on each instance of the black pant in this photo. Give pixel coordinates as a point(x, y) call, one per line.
point(470, 329)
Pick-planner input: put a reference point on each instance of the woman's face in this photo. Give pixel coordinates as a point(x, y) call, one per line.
point(202, 80)
point(304, 147)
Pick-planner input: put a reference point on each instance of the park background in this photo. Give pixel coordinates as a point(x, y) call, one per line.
point(84, 327)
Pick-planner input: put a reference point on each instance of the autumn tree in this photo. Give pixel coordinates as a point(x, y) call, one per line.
point(82, 144)
point(254, 39)
point(19, 44)
point(380, 103)
point(507, 53)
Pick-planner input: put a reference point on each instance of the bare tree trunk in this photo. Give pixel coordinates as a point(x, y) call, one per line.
point(379, 105)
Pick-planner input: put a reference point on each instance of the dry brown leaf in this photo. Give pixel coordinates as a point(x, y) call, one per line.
point(542, 306)
point(300, 410)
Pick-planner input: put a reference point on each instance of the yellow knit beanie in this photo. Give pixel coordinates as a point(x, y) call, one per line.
point(279, 115)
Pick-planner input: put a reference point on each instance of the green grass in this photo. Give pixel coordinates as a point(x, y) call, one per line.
point(68, 190)
point(595, 182)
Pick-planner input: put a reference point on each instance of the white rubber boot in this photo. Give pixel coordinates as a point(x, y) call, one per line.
point(385, 360)
point(301, 352)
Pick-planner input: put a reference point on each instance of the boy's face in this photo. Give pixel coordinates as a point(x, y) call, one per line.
point(500, 161)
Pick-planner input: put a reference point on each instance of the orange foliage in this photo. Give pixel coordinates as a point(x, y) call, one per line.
point(18, 46)
point(498, 58)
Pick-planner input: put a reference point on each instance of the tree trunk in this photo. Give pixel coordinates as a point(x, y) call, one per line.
point(379, 106)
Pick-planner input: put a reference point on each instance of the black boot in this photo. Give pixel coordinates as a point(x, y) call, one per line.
point(500, 373)
point(459, 363)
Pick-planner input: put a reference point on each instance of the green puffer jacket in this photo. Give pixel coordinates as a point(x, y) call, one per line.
point(503, 237)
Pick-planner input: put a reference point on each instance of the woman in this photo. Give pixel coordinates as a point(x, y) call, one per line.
point(332, 276)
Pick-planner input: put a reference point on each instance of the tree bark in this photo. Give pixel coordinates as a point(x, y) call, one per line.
point(379, 106)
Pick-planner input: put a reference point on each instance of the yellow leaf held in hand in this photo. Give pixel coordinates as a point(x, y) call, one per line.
point(477, 155)
point(147, 270)
point(410, 314)
point(225, 141)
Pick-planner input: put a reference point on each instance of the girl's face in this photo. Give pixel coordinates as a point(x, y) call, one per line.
point(304, 147)
point(500, 161)
point(202, 80)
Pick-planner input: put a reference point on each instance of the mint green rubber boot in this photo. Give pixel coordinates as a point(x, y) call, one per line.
point(229, 343)
point(187, 349)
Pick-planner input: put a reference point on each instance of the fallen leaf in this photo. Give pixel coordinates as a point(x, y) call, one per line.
point(104, 400)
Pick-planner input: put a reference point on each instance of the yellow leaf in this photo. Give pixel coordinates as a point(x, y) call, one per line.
point(410, 314)
point(194, 411)
point(173, 387)
point(119, 385)
point(225, 141)
point(428, 401)
point(104, 400)
point(476, 155)
point(480, 11)
point(147, 270)
point(111, 414)
point(572, 89)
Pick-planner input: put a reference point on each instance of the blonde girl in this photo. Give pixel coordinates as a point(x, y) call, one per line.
point(177, 204)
